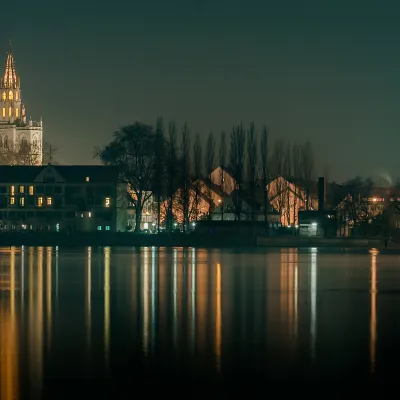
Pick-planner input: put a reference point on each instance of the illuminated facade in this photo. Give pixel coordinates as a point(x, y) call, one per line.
point(15, 130)
point(58, 198)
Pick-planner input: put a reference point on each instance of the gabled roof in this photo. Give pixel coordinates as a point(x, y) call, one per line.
point(68, 173)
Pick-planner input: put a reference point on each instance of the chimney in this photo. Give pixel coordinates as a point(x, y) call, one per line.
point(321, 194)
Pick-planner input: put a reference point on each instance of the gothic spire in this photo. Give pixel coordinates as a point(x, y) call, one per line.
point(10, 76)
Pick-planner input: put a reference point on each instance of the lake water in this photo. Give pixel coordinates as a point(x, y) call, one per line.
point(194, 321)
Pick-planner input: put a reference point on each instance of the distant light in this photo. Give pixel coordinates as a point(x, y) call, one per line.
point(175, 224)
point(194, 224)
point(314, 224)
point(90, 214)
point(297, 226)
point(87, 179)
point(146, 225)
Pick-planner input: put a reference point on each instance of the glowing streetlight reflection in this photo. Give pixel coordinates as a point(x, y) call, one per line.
point(313, 287)
point(106, 305)
point(373, 319)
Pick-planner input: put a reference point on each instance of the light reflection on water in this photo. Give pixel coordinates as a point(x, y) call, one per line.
point(186, 313)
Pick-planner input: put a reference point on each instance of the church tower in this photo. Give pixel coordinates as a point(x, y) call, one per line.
point(16, 132)
point(10, 86)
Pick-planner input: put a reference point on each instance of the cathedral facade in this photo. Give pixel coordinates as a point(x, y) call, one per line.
point(21, 139)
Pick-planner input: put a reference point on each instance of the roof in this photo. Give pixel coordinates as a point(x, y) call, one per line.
point(10, 75)
point(68, 173)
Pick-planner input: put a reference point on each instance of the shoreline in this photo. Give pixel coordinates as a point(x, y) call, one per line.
point(189, 240)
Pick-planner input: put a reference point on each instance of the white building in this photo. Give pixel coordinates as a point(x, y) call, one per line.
point(15, 130)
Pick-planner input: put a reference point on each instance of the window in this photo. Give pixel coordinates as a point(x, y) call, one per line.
point(107, 202)
point(22, 189)
point(3, 96)
point(87, 179)
point(107, 227)
point(22, 201)
point(90, 214)
point(4, 112)
point(99, 227)
point(49, 200)
point(12, 190)
point(40, 201)
point(31, 190)
point(16, 96)
point(12, 200)
point(10, 95)
point(10, 112)
point(17, 112)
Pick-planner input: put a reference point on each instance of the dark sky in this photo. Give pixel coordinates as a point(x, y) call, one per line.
point(328, 71)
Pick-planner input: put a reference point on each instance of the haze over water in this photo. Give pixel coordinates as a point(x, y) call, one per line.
point(154, 319)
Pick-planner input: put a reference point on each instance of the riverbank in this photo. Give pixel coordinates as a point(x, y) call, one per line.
point(181, 240)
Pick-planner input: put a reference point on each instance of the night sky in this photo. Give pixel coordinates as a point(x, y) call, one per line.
point(327, 71)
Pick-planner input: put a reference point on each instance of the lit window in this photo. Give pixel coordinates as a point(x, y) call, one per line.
point(16, 96)
point(107, 227)
point(12, 190)
point(87, 179)
point(49, 201)
point(99, 227)
point(107, 202)
point(17, 112)
point(90, 214)
point(40, 201)
point(22, 189)
point(3, 96)
point(10, 95)
point(12, 200)
point(4, 112)
point(31, 190)
point(10, 112)
point(22, 201)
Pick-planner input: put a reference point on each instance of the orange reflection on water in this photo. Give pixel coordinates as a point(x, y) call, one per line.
point(373, 319)
point(289, 289)
point(218, 319)
point(9, 380)
point(48, 295)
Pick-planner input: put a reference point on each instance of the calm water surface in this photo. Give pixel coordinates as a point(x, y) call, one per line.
point(116, 319)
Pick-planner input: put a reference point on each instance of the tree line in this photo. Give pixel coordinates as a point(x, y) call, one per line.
point(175, 166)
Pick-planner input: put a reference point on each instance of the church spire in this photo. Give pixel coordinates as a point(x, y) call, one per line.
point(10, 80)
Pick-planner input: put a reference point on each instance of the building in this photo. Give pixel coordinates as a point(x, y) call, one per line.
point(59, 198)
point(16, 132)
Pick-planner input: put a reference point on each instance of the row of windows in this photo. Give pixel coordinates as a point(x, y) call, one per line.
point(48, 201)
point(10, 112)
point(21, 190)
point(10, 95)
point(50, 189)
point(40, 201)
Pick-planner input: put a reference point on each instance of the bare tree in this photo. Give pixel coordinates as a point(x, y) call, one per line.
point(159, 167)
point(197, 173)
point(49, 153)
point(278, 189)
point(172, 173)
point(287, 182)
point(222, 160)
point(210, 163)
point(185, 175)
point(133, 151)
point(20, 153)
point(264, 147)
point(296, 165)
point(307, 160)
point(252, 160)
point(237, 158)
